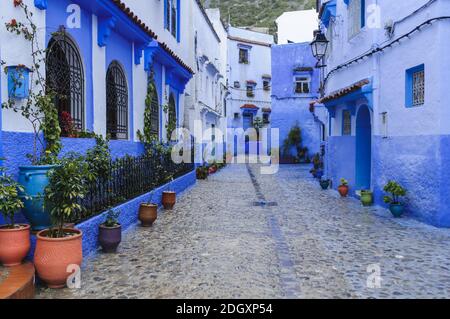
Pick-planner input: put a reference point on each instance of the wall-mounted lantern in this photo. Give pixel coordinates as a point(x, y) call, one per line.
point(319, 45)
point(18, 81)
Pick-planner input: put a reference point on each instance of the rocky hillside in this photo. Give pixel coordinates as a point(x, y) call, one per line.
point(256, 13)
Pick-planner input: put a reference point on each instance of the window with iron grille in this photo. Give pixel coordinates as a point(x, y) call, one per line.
point(346, 122)
point(266, 118)
point(419, 88)
point(415, 86)
point(116, 102)
point(266, 84)
point(65, 78)
point(302, 85)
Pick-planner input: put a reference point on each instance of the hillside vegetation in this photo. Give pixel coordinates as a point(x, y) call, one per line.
point(256, 13)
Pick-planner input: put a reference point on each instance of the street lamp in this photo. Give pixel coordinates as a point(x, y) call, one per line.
point(319, 46)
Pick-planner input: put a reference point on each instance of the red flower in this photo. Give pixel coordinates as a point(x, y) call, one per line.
point(13, 23)
point(17, 3)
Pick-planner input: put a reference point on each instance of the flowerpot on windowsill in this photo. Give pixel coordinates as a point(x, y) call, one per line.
point(169, 199)
point(148, 213)
point(14, 244)
point(53, 256)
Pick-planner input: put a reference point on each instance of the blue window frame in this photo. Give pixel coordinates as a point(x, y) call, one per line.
point(172, 17)
point(415, 86)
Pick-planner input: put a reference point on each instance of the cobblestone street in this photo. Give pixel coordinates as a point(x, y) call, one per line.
point(303, 243)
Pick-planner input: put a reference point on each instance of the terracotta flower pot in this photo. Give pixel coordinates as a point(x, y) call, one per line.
point(14, 245)
point(148, 213)
point(169, 199)
point(343, 190)
point(109, 238)
point(53, 256)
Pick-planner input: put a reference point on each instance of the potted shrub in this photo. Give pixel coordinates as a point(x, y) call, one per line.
point(38, 108)
point(58, 247)
point(148, 213)
point(367, 198)
point(202, 172)
point(14, 238)
point(110, 232)
point(169, 197)
point(397, 191)
point(343, 188)
point(324, 183)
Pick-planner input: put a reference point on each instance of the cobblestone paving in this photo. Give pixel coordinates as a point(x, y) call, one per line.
point(303, 243)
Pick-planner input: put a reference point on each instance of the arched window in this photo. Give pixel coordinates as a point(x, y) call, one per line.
point(65, 79)
point(172, 117)
point(116, 102)
point(154, 112)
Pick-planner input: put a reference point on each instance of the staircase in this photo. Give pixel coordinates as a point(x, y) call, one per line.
point(17, 282)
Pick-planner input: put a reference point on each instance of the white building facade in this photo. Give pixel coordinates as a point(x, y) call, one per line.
point(249, 76)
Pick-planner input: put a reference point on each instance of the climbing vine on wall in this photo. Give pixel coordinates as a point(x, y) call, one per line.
point(147, 136)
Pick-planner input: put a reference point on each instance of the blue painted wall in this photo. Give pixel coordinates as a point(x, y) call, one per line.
point(418, 163)
point(18, 144)
point(121, 50)
point(342, 151)
point(56, 16)
point(289, 107)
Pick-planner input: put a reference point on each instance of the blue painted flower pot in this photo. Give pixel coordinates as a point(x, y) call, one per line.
point(325, 184)
point(397, 210)
point(34, 180)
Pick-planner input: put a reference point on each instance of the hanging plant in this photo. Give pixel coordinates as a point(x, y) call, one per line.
point(39, 107)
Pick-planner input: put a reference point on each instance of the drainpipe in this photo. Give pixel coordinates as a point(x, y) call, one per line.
point(376, 92)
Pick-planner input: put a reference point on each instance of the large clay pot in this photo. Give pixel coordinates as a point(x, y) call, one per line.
point(169, 199)
point(34, 180)
point(14, 245)
point(110, 238)
point(343, 190)
point(53, 256)
point(148, 214)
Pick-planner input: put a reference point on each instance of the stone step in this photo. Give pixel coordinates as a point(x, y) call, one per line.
point(17, 282)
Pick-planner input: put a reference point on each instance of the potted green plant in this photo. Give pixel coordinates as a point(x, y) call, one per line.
point(14, 238)
point(343, 188)
point(396, 207)
point(58, 247)
point(38, 108)
point(366, 197)
point(202, 172)
point(110, 232)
